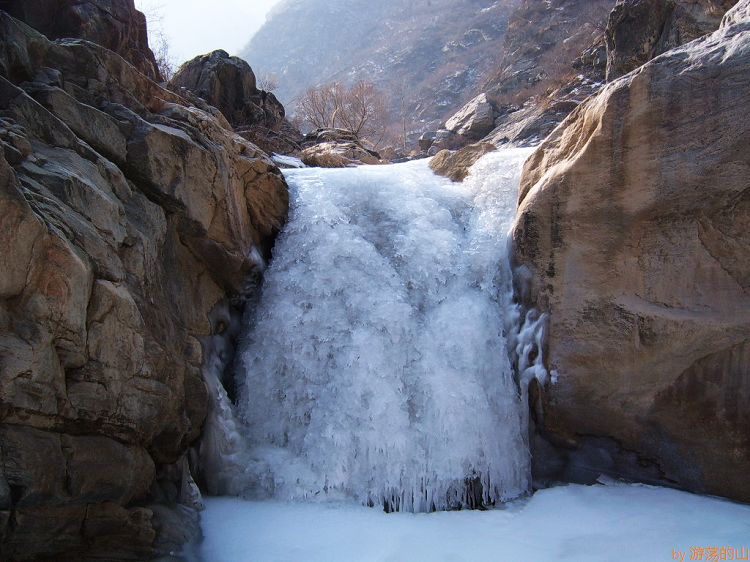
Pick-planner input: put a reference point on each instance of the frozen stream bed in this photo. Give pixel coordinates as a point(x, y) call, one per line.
point(375, 370)
point(569, 523)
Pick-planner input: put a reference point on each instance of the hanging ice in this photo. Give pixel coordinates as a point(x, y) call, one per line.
point(376, 365)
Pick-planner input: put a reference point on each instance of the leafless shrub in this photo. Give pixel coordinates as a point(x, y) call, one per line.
point(158, 40)
point(359, 109)
point(268, 82)
point(164, 61)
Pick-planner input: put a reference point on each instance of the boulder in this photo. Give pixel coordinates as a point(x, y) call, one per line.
point(447, 140)
point(639, 30)
point(338, 155)
point(128, 215)
point(474, 120)
point(392, 154)
point(633, 233)
point(228, 83)
point(114, 24)
point(426, 139)
point(336, 148)
point(329, 135)
point(455, 164)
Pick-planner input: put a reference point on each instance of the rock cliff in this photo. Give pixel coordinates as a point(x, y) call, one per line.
point(114, 24)
point(128, 216)
point(633, 233)
point(553, 58)
point(229, 84)
point(557, 54)
point(639, 30)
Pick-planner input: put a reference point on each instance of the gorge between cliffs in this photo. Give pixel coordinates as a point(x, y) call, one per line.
point(506, 317)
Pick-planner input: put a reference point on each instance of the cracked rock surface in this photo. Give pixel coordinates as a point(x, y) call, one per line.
point(127, 215)
point(634, 233)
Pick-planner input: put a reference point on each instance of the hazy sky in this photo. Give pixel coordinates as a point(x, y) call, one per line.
point(194, 27)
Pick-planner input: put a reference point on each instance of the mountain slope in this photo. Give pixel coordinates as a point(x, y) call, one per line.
point(429, 56)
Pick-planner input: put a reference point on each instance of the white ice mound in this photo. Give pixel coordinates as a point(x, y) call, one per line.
point(377, 366)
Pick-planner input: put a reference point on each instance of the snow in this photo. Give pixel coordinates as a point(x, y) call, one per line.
point(571, 523)
point(376, 363)
point(376, 372)
point(285, 161)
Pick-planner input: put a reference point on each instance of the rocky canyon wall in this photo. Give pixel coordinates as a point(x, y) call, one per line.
point(639, 30)
point(127, 215)
point(634, 233)
point(116, 25)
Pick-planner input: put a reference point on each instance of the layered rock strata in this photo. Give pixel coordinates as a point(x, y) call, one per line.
point(114, 24)
point(633, 233)
point(128, 215)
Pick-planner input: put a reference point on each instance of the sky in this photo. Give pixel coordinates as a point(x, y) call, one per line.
point(195, 27)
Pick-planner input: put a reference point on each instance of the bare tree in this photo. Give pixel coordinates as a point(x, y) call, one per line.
point(164, 62)
point(268, 82)
point(312, 109)
point(158, 39)
point(321, 107)
point(364, 112)
point(360, 109)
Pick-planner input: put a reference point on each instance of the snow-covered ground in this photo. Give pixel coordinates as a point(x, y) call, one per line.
point(569, 523)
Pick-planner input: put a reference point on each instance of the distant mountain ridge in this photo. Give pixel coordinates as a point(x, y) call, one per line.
point(429, 56)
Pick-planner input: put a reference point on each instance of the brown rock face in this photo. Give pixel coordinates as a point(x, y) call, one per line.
point(455, 164)
point(127, 216)
point(552, 59)
point(639, 30)
point(228, 83)
point(634, 233)
point(337, 155)
point(114, 24)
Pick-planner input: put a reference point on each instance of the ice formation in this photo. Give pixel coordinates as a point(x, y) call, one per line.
point(376, 363)
point(287, 161)
point(565, 524)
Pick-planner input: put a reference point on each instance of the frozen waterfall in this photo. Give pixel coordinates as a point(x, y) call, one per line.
point(375, 365)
